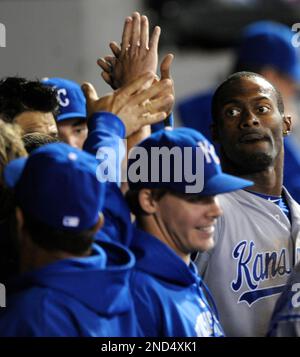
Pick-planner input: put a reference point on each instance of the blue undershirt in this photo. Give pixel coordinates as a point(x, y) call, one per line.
point(280, 201)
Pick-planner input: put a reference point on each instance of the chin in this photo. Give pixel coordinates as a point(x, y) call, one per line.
point(249, 163)
point(206, 245)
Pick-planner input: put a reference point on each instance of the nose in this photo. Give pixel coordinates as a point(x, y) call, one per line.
point(215, 209)
point(248, 120)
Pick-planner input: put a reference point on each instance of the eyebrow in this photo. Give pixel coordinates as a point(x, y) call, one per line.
point(238, 101)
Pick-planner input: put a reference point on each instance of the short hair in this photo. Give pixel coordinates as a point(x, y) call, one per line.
point(35, 140)
point(53, 239)
point(235, 77)
point(132, 198)
point(18, 95)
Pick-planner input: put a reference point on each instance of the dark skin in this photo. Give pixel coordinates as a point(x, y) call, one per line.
point(250, 128)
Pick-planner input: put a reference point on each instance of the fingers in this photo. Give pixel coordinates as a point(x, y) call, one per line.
point(126, 36)
point(144, 80)
point(149, 119)
point(156, 90)
point(107, 78)
point(165, 66)
point(116, 50)
point(104, 65)
point(136, 30)
point(144, 32)
point(153, 44)
point(160, 104)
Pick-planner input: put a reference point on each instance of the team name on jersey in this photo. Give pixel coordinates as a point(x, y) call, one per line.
point(254, 268)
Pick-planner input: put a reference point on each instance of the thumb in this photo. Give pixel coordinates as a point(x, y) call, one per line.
point(89, 92)
point(165, 66)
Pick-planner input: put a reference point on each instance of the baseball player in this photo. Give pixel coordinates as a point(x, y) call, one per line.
point(260, 50)
point(71, 119)
point(256, 238)
point(169, 296)
point(28, 104)
point(79, 288)
point(186, 312)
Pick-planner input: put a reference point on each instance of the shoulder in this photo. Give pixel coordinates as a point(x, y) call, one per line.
point(36, 312)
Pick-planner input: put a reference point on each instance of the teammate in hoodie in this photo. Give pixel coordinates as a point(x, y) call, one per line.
point(175, 204)
point(69, 285)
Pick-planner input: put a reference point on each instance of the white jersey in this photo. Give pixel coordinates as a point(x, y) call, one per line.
point(255, 250)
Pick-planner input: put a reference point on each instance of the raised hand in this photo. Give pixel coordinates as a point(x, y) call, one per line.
point(134, 107)
point(137, 54)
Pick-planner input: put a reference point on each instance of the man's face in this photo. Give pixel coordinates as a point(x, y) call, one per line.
point(73, 131)
point(188, 224)
point(250, 125)
point(33, 121)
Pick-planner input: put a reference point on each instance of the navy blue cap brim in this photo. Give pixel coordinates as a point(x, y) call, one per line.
point(13, 171)
point(224, 183)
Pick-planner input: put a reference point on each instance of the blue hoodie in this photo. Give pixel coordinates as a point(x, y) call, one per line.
point(168, 295)
point(75, 297)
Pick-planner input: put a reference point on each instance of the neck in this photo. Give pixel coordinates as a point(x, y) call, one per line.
point(268, 181)
point(35, 257)
point(152, 226)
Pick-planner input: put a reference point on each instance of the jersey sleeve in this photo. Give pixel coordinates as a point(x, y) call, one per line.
point(105, 140)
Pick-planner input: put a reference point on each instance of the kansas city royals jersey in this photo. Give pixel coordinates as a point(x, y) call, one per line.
point(255, 250)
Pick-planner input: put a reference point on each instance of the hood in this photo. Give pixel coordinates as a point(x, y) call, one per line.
point(156, 258)
point(117, 220)
point(99, 281)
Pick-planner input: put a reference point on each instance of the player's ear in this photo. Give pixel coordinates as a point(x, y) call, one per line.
point(287, 124)
point(214, 132)
point(146, 201)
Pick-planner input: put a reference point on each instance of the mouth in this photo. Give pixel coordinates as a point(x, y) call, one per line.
point(206, 229)
point(253, 137)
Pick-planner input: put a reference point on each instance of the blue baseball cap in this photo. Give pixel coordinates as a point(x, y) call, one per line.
point(72, 103)
point(270, 43)
point(182, 160)
point(57, 185)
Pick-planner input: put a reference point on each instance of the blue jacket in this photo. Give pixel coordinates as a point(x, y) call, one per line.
point(75, 297)
point(168, 295)
point(195, 112)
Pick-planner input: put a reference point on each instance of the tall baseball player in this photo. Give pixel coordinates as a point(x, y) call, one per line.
point(256, 237)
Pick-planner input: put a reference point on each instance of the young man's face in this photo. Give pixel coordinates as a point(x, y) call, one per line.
point(249, 124)
point(34, 121)
point(188, 225)
point(73, 131)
